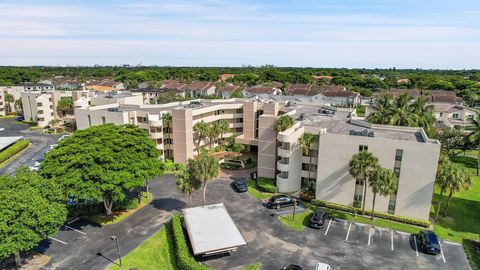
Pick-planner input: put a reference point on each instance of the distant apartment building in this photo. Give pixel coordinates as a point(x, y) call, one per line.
point(37, 87)
point(225, 91)
point(453, 115)
point(40, 107)
point(339, 135)
point(85, 99)
point(7, 106)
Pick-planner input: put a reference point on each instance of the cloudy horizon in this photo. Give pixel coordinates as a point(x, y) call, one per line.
point(375, 34)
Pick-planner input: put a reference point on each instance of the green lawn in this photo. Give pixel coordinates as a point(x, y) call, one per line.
point(155, 253)
point(253, 191)
point(254, 266)
point(464, 212)
point(298, 224)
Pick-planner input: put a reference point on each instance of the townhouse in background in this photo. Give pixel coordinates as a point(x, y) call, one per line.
point(453, 116)
point(339, 136)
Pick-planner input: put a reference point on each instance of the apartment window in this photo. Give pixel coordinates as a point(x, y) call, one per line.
point(39, 104)
point(141, 119)
point(398, 155)
point(313, 153)
point(89, 121)
point(283, 175)
point(455, 116)
point(239, 130)
point(359, 182)
point(362, 148)
point(40, 112)
point(159, 141)
point(103, 120)
point(239, 110)
point(441, 114)
point(239, 120)
point(284, 160)
point(391, 206)
point(396, 170)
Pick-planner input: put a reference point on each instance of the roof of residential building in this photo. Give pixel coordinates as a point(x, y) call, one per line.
point(227, 88)
point(330, 87)
point(173, 85)
point(198, 85)
point(299, 89)
point(449, 108)
point(341, 93)
point(260, 90)
point(446, 99)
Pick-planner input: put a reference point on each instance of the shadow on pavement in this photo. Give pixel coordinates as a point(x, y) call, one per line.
point(168, 204)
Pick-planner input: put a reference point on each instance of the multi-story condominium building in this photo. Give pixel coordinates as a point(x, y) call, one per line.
point(339, 135)
point(40, 106)
point(37, 87)
point(85, 99)
point(7, 106)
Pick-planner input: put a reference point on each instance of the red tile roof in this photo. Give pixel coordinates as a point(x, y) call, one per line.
point(198, 85)
point(299, 89)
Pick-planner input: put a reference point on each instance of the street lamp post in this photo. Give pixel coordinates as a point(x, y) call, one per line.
point(115, 238)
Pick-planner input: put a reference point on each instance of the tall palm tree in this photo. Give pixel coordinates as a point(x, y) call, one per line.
point(306, 142)
point(422, 113)
point(223, 127)
point(166, 119)
point(283, 123)
point(449, 175)
point(401, 113)
point(384, 182)
point(205, 168)
point(213, 132)
point(188, 183)
point(201, 131)
point(383, 110)
point(9, 99)
point(461, 181)
point(362, 165)
point(474, 136)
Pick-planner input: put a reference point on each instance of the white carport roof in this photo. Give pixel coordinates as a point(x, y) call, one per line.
point(211, 229)
point(7, 141)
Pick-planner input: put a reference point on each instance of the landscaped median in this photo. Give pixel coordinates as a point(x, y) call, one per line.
point(12, 150)
point(261, 192)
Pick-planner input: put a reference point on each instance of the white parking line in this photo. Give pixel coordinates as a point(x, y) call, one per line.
point(348, 233)
point(416, 248)
point(73, 229)
point(57, 240)
point(73, 220)
point(391, 237)
point(452, 243)
point(441, 252)
point(369, 235)
point(328, 227)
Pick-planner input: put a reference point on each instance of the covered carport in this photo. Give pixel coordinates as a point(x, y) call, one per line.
point(211, 230)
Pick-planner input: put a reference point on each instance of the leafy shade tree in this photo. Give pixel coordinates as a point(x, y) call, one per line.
point(204, 168)
point(103, 163)
point(306, 142)
point(474, 136)
point(361, 166)
point(201, 131)
point(188, 182)
point(65, 105)
point(450, 176)
point(384, 182)
point(451, 139)
point(9, 99)
point(32, 208)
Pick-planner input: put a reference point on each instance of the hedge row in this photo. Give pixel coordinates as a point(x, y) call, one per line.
point(349, 209)
point(13, 149)
point(266, 185)
point(185, 260)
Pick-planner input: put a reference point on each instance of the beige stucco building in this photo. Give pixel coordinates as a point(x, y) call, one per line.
point(339, 135)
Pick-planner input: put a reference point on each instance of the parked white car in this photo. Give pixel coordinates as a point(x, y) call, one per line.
point(322, 266)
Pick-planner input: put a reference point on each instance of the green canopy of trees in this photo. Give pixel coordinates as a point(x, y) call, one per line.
point(103, 163)
point(31, 209)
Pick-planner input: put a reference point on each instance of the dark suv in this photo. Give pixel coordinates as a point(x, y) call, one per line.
point(318, 219)
point(429, 242)
point(278, 201)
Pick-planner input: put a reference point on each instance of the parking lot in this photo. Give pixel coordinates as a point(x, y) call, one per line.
point(342, 244)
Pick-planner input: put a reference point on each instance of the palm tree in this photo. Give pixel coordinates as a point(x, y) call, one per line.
point(361, 165)
point(474, 136)
point(205, 168)
point(213, 133)
point(223, 127)
point(306, 142)
point(449, 175)
point(384, 182)
point(422, 113)
point(188, 183)
point(18, 106)
point(201, 131)
point(461, 181)
point(401, 113)
point(166, 119)
point(383, 110)
point(283, 123)
point(9, 99)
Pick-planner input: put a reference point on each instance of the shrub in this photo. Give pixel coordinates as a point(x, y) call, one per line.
point(231, 166)
point(185, 260)
point(266, 185)
point(349, 209)
point(13, 149)
point(125, 204)
point(307, 195)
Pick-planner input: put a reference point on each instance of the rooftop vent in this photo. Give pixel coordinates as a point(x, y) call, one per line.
point(326, 112)
point(303, 116)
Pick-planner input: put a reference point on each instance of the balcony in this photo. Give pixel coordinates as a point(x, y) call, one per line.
point(156, 135)
point(156, 123)
point(312, 174)
point(283, 153)
point(282, 177)
point(285, 167)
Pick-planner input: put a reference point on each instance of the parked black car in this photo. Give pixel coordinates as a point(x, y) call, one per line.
point(239, 186)
point(429, 242)
point(278, 201)
point(318, 219)
point(292, 267)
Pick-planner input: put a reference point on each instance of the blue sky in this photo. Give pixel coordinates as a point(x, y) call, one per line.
point(369, 34)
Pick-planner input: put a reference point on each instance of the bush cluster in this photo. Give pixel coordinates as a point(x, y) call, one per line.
point(184, 258)
point(231, 166)
point(12, 150)
point(266, 185)
point(349, 209)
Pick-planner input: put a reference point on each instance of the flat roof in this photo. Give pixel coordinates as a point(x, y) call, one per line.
point(7, 141)
point(211, 229)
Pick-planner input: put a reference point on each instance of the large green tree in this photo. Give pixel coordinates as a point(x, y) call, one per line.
point(361, 166)
point(31, 209)
point(283, 123)
point(223, 127)
point(383, 108)
point(65, 105)
point(103, 162)
point(384, 182)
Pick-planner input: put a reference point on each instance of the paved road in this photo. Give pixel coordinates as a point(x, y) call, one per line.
point(269, 242)
point(87, 246)
point(40, 143)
